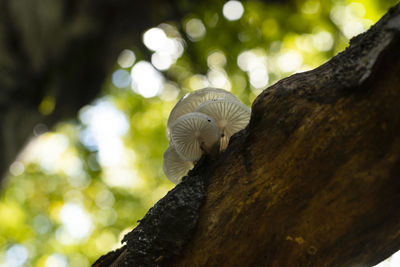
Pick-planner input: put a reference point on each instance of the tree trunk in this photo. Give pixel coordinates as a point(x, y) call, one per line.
point(314, 180)
point(59, 52)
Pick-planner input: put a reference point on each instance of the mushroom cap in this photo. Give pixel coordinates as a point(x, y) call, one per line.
point(194, 133)
point(189, 102)
point(230, 116)
point(174, 166)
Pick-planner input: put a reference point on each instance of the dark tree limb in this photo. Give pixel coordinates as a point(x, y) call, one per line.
point(314, 180)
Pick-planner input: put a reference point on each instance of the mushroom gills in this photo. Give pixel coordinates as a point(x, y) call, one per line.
point(174, 166)
point(194, 133)
point(230, 116)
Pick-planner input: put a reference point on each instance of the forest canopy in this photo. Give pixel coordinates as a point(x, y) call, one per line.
point(77, 188)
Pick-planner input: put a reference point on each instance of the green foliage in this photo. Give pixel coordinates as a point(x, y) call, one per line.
point(70, 199)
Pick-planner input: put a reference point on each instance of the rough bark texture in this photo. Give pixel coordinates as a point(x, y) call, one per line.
point(62, 50)
point(161, 235)
point(314, 180)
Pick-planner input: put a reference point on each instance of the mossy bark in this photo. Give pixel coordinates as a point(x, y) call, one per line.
point(314, 180)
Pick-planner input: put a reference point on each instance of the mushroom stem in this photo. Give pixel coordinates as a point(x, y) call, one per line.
point(222, 132)
point(213, 151)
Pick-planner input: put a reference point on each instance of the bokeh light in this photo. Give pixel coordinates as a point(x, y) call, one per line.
point(323, 41)
point(121, 78)
point(219, 79)
point(105, 126)
point(154, 38)
point(17, 168)
point(56, 260)
point(350, 18)
point(195, 29)
point(310, 7)
point(126, 58)
point(170, 91)
point(290, 61)
point(166, 49)
point(233, 10)
point(254, 62)
point(198, 81)
point(216, 59)
point(16, 256)
point(161, 61)
point(76, 223)
point(146, 80)
point(49, 151)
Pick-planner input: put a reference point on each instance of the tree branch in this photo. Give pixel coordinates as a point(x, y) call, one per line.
point(314, 180)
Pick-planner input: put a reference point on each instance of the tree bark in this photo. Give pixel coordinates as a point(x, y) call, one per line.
point(314, 180)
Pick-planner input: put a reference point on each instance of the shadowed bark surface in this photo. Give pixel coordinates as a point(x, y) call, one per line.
point(314, 180)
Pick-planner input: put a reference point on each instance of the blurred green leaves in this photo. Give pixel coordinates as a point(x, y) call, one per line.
point(74, 192)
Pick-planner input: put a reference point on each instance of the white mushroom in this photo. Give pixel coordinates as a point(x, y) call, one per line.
point(174, 166)
point(230, 116)
point(194, 133)
point(190, 101)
